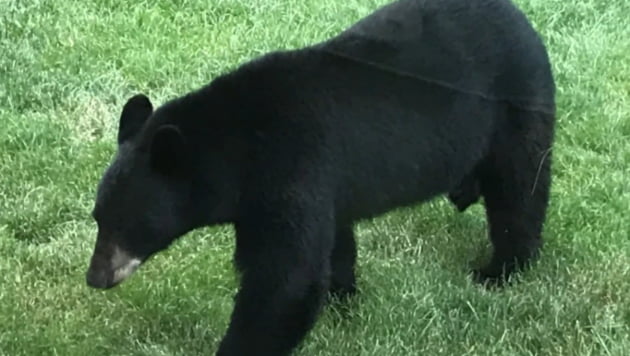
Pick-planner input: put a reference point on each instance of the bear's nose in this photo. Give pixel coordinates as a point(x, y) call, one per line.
point(97, 278)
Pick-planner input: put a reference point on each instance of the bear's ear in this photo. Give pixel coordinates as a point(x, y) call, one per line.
point(169, 154)
point(135, 112)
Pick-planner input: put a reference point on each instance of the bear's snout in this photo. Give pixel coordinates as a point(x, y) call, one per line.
point(97, 278)
point(109, 267)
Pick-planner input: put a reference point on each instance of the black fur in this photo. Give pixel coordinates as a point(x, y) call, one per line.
point(296, 146)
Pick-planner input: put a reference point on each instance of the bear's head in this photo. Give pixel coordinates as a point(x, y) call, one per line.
point(145, 198)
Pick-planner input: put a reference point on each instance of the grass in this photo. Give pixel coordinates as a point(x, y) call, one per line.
point(65, 71)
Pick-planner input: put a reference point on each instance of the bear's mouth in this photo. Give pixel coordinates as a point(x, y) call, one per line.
point(121, 273)
point(105, 273)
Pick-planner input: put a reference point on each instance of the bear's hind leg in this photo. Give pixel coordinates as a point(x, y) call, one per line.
point(515, 183)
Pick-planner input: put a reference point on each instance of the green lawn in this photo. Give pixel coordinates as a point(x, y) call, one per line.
point(66, 70)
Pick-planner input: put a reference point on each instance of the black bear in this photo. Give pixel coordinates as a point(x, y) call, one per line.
point(420, 99)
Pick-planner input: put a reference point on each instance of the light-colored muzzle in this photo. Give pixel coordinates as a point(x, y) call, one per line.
point(110, 266)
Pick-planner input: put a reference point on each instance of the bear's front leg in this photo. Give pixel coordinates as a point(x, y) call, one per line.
point(285, 263)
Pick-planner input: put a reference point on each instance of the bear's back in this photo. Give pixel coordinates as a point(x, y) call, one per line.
point(483, 47)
